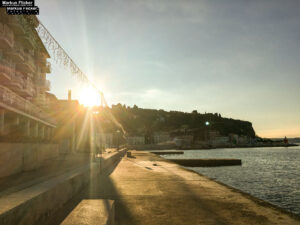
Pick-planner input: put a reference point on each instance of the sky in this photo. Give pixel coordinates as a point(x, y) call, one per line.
point(238, 58)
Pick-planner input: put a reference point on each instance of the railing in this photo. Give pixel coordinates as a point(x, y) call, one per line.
point(47, 84)
point(40, 56)
point(48, 67)
point(18, 78)
point(29, 86)
point(44, 83)
point(12, 99)
point(7, 68)
point(29, 60)
point(30, 37)
point(18, 50)
point(19, 20)
point(23, 28)
point(7, 34)
point(30, 75)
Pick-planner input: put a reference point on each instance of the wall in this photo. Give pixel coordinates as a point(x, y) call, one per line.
point(43, 198)
point(18, 157)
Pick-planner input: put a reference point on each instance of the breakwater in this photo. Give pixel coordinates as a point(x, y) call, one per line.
point(167, 152)
point(207, 162)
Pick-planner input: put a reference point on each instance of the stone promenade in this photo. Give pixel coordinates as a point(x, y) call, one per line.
point(150, 190)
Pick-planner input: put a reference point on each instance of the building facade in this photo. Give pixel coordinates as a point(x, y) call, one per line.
point(23, 83)
point(136, 140)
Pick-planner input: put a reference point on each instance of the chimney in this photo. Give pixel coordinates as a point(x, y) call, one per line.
point(69, 95)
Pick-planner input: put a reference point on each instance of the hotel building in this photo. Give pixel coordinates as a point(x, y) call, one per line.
point(23, 83)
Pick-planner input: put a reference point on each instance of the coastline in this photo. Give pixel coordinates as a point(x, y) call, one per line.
point(147, 147)
point(201, 147)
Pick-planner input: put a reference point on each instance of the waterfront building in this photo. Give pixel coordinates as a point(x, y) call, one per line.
point(106, 139)
point(161, 137)
point(23, 83)
point(136, 140)
point(220, 141)
point(185, 140)
point(234, 138)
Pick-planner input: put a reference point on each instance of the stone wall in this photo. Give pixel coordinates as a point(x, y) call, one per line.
point(18, 157)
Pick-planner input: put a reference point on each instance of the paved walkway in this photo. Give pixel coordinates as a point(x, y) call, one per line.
point(151, 190)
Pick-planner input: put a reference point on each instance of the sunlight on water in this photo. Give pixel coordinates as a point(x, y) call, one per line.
point(271, 174)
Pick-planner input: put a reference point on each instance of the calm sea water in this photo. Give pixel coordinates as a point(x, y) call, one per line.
point(271, 174)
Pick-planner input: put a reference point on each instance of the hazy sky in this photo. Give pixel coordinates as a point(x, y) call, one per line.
point(238, 58)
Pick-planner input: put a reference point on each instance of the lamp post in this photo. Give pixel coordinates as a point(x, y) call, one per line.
point(118, 134)
point(207, 129)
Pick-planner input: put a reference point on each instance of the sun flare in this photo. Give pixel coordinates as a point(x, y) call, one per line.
point(89, 97)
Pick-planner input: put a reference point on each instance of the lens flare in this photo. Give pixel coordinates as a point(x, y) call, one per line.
point(89, 97)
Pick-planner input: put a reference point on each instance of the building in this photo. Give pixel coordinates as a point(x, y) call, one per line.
point(220, 141)
point(106, 139)
point(69, 115)
point(185, 140)
point(161, 137)
point(23, 83)
point(136, 140)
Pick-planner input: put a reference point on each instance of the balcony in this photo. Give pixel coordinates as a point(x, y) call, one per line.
point(46, 68)
point(21, 85)
point(17, 54)
point(31, 75)
point(7, 70)
point(44, 84)
point(6, 36)
point(28, 89)
point(33, 19)
point(16, 82)
point(10, 99)
point(41, 100)
point(40, 57)
point(28, 39)
point(27, 65)
point(18, 24)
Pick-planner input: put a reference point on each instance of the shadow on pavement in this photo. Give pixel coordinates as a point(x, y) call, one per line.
point(101, 187)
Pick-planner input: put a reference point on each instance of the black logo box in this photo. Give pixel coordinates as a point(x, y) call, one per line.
point(23, 10)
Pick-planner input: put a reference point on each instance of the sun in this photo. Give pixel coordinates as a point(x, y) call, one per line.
point(89, 97)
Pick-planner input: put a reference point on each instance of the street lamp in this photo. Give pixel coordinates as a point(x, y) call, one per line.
point(207, 130)
point(118, 134)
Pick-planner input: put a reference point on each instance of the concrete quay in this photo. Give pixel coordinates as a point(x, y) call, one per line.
point(148, 189)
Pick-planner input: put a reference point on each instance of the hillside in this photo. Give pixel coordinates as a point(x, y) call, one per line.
point(140, 121)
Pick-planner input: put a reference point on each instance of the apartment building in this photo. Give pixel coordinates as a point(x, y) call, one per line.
point(23, 83)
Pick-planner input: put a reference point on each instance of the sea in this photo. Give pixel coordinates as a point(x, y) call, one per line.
point(271, 174)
